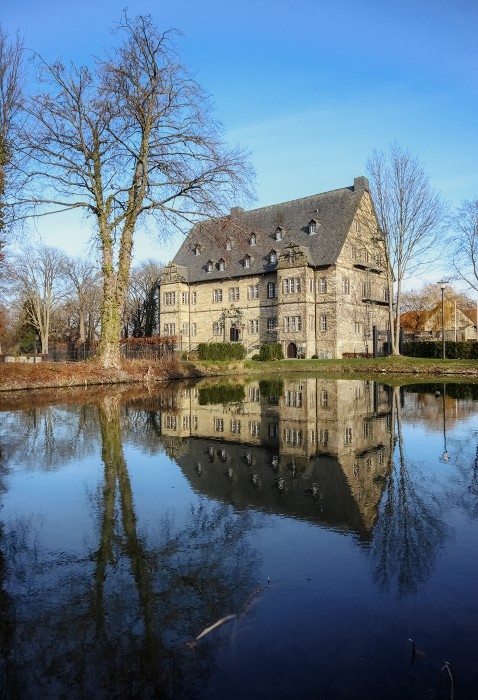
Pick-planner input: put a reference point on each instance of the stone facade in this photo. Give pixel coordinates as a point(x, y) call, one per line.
point(310, 274)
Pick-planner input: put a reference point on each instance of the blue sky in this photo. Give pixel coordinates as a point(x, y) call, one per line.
point(309, 88)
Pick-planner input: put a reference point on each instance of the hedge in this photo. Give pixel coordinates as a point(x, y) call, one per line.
point(221, 393)
point(221, 351)
point(467, 350)
point(271, 351)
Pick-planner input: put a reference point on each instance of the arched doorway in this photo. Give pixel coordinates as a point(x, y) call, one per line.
point(234, 334)
point(291, 350)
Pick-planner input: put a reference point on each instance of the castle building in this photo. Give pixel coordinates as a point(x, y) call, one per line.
point(310, 274)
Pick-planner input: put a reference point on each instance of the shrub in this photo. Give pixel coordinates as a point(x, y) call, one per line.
point(221, 351)
point(365, 355)
point(256, 357)
point(314, 357)
point(271, 351)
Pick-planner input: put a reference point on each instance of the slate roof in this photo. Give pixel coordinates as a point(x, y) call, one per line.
point(332, 211)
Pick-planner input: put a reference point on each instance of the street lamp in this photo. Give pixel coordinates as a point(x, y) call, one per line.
point(443, 284)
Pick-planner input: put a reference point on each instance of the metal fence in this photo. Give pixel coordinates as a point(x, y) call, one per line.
point(131, 349)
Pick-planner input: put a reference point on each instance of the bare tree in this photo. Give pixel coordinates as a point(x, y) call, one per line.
point(142, 306)
point(411, 216)
point(83, 276)
point(37, 273)
point(465, 243)
point(132, 138)
point(11, 53)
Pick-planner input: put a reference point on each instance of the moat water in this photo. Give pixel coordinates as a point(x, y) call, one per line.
point(281, 538)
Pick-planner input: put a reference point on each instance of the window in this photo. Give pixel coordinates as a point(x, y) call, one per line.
point(323, 323)
point(219, 425)
point(292, 324)
point(254, 428)
point(209, 266)
point(366, 429)
point(311, 285)
point(254, 326)
point(346, 285)
point(366, 290)
point(293, 437)
point(324, 398)
point(272, 257)
point(185, 329)
point(233, 293)
point(197, 249)
point(291, 285)
point(357, 328)
point(273, 430)
point(247, 261)
point(235, 426)
point(185, 298)
point(171, 422)
point(293, 399)
point(253, 291)
point(312, 227)
point(169, 298)
point(324, 437)
point(272, 290)
point(252, 239)
point(323, 285)
point(254, 393)
point(217, 295)
point(386, 294)
point(186, 422)
point(222, 264)
point(278, 233)
point(194, 297)
point(169, 329)
point(193, 329)
point(228, 245)
point(217, 328)
point(271, 324)
point(348, 436)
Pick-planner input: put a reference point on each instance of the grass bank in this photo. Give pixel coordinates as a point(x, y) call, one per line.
point(16, 376)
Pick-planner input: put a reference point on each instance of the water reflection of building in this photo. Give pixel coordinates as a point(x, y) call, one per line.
point(309, 447)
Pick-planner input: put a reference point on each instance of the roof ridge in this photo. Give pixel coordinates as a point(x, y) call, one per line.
point(298, 199)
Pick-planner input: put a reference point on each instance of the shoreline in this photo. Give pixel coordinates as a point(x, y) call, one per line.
point(55, 375)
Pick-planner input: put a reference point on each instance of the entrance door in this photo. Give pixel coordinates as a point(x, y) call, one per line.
point(234, 335)
point(292, 350)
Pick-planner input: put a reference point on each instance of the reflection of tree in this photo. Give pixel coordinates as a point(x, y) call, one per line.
point(409, 528)
point(114, 621)
point(6, 625)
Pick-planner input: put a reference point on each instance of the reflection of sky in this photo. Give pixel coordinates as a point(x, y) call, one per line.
point(323, 622)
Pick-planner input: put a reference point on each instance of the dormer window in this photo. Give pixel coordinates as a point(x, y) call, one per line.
point(197, 249)
point(252, 239)
point(221, 264)
point(209, 266)
point(272, 257)
point(279, 232)
point(228, 245)
point(312, 227)
point(247, 261)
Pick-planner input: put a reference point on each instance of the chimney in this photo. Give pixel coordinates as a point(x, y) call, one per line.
point(361, 184)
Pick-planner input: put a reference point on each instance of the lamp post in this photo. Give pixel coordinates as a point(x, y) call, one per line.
point(442, 284)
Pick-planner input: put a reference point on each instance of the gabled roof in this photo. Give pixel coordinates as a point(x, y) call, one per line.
point(333, 211)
